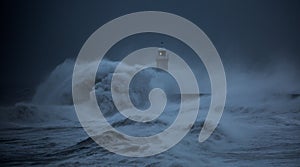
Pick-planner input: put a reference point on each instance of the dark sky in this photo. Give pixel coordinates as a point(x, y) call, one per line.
point(39, 35)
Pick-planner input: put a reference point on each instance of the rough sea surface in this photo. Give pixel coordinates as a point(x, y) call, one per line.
point(259, 127)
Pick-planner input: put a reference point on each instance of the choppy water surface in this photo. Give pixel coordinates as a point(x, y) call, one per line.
point(259, 127)
point(244, 137)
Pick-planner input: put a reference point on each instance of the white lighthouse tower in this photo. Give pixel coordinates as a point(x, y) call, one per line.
point(162, 59)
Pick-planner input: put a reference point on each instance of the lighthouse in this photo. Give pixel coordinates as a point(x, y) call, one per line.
point(162, 59)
